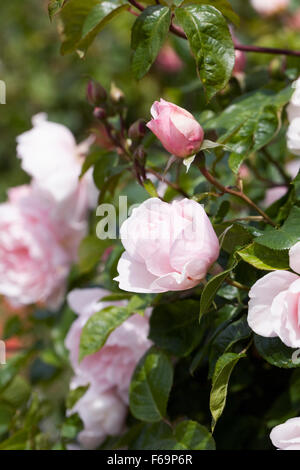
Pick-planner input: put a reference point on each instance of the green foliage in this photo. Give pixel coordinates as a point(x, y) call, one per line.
point(150, 386)
point(250, 123)
point(275, 352)
point(284, 237)
point(98, 327)
point(175, 327)
point(210, 43)
point(148, 35)
point(265, 258)
point(218, 394)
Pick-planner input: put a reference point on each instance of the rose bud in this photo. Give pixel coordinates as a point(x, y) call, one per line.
point(100, 113)
point(95, 93)
point(169, 247)
point(176, 128)
point(137, 130)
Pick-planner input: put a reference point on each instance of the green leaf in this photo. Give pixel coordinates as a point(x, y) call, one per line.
point(175, 327)
point(275, 352)
point(90, 251)
point(150, 188)
point(148, 35)
point(264, 258)
point(98, 327)
point(150, 386)
point(97, 19)
point(228, 337)
point(71, 427)
point(249, 123)
point(73, 15)
point(192, 436)
point(75, 395)
point(104, 168)
point(284, 237)
point(222, 5)
point(211, 44)
point(222, 373)
point(54, 6)
point(211, 288)
point(235, 236)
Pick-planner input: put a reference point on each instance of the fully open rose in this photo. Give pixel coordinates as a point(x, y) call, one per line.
point(286, 436)
point(109, 370)
point(37, 247)
point(168, 247)
point(274, 303)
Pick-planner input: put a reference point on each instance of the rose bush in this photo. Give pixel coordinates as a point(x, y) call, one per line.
point(150, 266)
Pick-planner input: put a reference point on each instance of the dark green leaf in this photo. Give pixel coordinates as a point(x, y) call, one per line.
point(150, 386)
point(73, 16)
point(175, 327)
point(97, 19)
point(284, 237)
point(250, 122)
point(222, 373)
point(148, 35)
point(264, 258)
point(211, 44)
point(98, 327)
point(192, 436)
point(275, 352)
point(211, 288)
point(222, 5)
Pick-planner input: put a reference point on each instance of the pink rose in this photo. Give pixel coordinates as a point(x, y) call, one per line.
point(34, 262)
point(103, 414)
point(274, 307)
point(286, 436)
point(269, 7)
point(49, 154)
point(176, 128)
point(168, 60)
point(113, 365)
point(168, 247)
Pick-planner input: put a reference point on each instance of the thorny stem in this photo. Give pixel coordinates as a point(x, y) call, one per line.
point(239, 47)
point(225, 189)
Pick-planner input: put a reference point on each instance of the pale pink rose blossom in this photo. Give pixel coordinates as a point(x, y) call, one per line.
point(274, 306)
point(36, 248)
point(293, 21)
point(113, 365)
point(103, 414)
point(270, 7)
point(176, 128)
point(168, 247)
point(286, 436)
point(49, 154)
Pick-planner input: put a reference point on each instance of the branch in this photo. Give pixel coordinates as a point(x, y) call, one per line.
point(174, 186)
point(225, 189)
point(239, 47)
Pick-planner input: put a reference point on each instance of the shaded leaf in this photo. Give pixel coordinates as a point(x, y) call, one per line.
point(150, 386)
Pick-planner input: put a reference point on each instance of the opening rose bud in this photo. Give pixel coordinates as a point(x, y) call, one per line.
point(176, 128)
